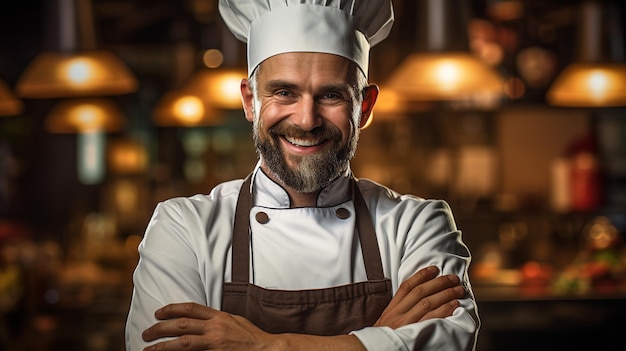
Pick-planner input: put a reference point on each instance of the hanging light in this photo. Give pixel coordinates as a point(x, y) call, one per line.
point(442, 67)
point(179, 108)
point(84, 116)
point(77, 68)
point(9, 105)
point(53, 75)
point(218, 86)
point(90, 119)
point(598, 77)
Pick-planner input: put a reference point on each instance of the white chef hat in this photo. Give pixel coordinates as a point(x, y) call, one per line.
point(346, 28)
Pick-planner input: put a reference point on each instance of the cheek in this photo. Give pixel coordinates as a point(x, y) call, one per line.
point(269, 115)
point(343, 120)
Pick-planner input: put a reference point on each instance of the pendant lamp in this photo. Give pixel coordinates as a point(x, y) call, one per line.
point(9, 105)
point(179, 108)
point(442, 67)
point(75, 68)
point(218, 80)
point(598, 77)
point(90, 119)
point(218, 86)
point(84, 115)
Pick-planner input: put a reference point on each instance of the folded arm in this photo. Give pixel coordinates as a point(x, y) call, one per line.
point(197, 327)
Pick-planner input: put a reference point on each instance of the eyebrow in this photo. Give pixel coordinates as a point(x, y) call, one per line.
point(282, 84)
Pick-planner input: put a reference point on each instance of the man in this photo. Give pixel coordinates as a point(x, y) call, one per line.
point(301, 255)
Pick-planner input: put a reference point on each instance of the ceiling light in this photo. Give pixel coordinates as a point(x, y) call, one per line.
point(84, 116)
point(219, 87)
point(181, 109)
point(442, 67)
point(598, 77)
point(76, 68)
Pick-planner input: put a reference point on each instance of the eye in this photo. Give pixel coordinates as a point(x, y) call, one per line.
point(331, 96)
point(284, 93)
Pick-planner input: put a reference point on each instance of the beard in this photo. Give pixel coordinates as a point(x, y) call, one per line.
point(304, 173)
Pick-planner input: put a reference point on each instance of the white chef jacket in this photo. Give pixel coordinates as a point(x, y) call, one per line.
point(185, 255)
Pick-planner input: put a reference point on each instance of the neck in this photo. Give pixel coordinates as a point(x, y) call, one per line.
point(302, 199)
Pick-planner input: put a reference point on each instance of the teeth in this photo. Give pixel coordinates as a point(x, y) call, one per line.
point(302, 142)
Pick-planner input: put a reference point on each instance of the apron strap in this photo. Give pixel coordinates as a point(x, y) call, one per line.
point(367, 236)
point(241, 235)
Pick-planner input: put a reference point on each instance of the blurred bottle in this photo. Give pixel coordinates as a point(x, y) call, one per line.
point(560, 185)
point(585, 182)
point(576, 178)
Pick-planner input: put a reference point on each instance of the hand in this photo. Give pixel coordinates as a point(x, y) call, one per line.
point(198, 327)
point(421, 297)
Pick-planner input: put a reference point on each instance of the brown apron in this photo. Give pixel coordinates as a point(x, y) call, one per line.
point(330, 311)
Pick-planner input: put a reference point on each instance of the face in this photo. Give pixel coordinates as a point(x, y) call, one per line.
point(306, 111)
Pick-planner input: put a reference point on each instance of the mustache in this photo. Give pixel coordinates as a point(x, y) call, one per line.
point(322, 132)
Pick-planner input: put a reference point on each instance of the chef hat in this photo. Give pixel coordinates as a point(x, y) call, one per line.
point(346, 28)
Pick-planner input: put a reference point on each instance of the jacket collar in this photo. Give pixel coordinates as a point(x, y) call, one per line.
point(267, 193)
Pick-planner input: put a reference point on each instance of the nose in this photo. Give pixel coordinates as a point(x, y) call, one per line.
point(307, 116)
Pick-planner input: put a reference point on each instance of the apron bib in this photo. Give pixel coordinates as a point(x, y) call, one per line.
point(330, 311)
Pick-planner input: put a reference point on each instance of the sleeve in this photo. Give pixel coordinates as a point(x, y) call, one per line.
point(167, 271)
point(427, 235)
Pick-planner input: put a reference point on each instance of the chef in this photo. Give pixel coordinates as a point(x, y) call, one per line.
point(301, 254)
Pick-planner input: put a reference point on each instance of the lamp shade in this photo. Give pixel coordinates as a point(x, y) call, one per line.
point(586, 84)
point(219, 87)
point(442, 67)
point(74, 67)
point(84, 116)
point(90, 73)
point(9, 105)
point(178, 108)
point(445, 76)
point(598, 76)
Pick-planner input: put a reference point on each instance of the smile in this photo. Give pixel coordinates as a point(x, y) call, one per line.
point(303, 142)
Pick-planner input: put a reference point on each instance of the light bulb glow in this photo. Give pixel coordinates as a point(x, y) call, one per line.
point(87, 117)
point(219, 88)
point(87, 114)
point(229, 89)
point(448, 74)
point(78, 71)
point(598, 84)
point(61, 75)
point(445, 76)
point(189, 109)
point(590, 84)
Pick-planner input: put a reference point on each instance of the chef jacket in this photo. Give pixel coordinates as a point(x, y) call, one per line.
point(185, 255)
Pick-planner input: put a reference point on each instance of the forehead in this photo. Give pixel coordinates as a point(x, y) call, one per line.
point(308, 67)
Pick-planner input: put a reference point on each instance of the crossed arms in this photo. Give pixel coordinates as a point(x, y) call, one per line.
point(196, 327)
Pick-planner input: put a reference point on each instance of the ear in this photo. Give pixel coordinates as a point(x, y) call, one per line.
point(247, 99)
point(370, 94)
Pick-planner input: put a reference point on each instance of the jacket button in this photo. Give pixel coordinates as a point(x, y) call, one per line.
point(342, 213)
point(262, 217)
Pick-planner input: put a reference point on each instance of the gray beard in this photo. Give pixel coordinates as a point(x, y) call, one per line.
point(310, 173)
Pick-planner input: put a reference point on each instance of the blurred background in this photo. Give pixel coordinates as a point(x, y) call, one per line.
point(513, 111)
